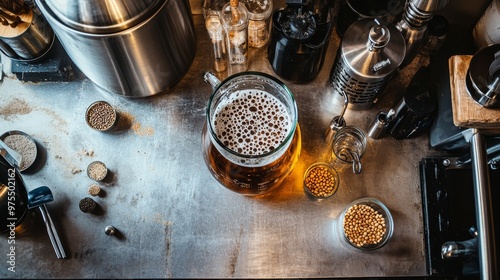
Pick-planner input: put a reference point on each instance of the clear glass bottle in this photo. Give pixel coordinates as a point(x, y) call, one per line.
point(234, 17)
point(211, 12)
point(216, 33)
point(259, 12)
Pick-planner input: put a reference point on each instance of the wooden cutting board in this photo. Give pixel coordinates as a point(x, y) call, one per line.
point(466, 112)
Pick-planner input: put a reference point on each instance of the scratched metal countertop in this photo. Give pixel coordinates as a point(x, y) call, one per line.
point(174, 219)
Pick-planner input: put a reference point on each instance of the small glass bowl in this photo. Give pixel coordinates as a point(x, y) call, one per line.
point(378, 207)
point(314, 191)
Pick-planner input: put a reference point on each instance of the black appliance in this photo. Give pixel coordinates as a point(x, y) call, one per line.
point(449, 214)
point(299, 38)
point(415, 112)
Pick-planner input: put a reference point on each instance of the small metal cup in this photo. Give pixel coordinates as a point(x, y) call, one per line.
point(24, 34)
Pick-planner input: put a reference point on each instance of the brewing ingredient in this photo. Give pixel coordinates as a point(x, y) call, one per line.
point(94, 190)
point(97, 170)
point(320, 181)
point(364, 225)
point(88, 205)
point(24, 146)
point(101, 116)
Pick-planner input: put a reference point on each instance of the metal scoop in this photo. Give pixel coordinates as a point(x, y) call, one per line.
point(11, 156)
point(38, 198)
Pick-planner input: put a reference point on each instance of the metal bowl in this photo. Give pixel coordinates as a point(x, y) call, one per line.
point(102, 16)
point(108, 123)
point(29, 153)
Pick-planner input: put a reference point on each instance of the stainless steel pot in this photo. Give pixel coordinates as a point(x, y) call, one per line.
point(141, 60)
point(98, 16)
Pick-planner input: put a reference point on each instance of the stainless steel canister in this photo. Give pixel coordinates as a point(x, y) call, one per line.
point(24, 33)
point(142, 57)
point(483, 77)
point(368, 56)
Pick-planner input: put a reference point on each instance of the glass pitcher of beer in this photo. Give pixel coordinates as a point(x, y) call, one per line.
point(251, 138)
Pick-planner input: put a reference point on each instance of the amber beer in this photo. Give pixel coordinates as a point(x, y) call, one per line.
point(251, 142)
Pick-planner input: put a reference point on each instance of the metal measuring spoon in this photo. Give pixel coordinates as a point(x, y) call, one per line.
point(38, 198)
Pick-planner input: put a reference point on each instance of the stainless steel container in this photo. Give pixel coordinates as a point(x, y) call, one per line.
point(483, 77)
point(413, 25)
point(367, 57)
point(24, 34)
point(135, 54)
point(98, 16)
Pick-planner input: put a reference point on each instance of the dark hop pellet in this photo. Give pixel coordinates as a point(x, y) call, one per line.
point(88, 205)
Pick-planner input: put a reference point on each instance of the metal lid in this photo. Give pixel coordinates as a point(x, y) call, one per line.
point(373, 48)
point(102, 16)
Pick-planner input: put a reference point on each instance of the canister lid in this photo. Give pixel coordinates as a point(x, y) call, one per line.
point(297, 22)
point(373, 48)
point(259, 9)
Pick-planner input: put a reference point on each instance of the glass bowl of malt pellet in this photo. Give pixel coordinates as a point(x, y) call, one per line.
point(321, 181)
point(365, 224)
point(101, 116)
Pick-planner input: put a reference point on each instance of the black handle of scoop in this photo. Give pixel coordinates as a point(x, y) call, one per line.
point(39, 196)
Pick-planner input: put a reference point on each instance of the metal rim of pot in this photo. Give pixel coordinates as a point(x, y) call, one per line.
point(103, 27)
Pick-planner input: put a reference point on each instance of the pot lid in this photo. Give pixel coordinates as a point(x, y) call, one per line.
point(102, 16)
point(373, 48)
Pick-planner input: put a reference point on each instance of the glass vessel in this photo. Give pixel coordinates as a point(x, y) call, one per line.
point(259, 22)
point(211, 13)
point(234, 18)
point(251, 139)
point(383, 214)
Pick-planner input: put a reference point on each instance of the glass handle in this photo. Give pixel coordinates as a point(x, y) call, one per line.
point(356, 163)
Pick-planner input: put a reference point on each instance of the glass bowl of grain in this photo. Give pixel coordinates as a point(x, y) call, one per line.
point(365, 224)
point(101, 116)
point(320, 181)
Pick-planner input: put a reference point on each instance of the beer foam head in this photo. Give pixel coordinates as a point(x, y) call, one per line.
point(251, 122)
